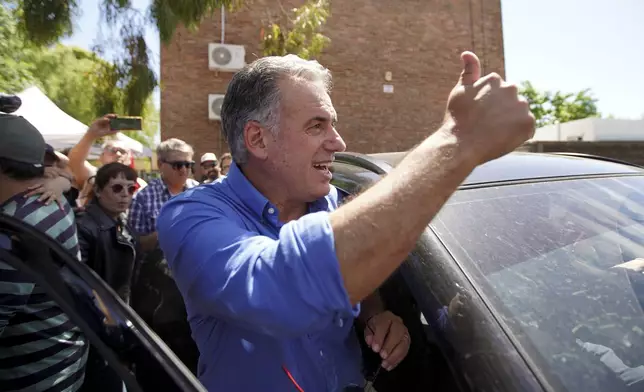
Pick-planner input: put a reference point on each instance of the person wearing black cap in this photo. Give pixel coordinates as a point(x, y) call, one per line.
point(22, 168)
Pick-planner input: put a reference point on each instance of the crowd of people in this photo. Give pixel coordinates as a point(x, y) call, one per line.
point(252, 274)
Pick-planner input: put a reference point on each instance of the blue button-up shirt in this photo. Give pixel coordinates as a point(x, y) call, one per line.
point(262, 296)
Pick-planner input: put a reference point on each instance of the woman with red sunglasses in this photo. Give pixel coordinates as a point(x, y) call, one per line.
point(110, 248)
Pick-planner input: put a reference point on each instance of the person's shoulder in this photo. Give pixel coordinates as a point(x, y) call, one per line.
point(50, 218)
point(214, 197)
point(149, 188)
point(31, 206)
point(84, 218)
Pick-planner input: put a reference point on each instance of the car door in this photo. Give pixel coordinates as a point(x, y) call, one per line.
point(112, 328)
point(425, 367)
point(470, 340)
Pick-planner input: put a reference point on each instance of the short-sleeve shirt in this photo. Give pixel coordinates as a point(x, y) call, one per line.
point(40, 348)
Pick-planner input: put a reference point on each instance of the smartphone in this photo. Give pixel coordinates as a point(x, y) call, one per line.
point(126, 123)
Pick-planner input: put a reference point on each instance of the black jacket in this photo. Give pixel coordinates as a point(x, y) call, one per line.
point(110, 248)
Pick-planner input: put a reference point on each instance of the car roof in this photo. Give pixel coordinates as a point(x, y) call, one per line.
point(518, 166)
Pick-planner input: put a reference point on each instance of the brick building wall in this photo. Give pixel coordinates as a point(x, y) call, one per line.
point(418, 41)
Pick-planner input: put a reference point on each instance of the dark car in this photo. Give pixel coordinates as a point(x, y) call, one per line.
point(529, 279)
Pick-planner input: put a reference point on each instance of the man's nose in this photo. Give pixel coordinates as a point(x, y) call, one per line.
point(335, 142)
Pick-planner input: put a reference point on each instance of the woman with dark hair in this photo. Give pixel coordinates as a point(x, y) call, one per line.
point(109, 247)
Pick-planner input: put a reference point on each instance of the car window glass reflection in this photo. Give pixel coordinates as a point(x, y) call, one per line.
point(560, 263)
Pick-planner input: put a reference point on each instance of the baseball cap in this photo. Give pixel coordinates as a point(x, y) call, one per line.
point(21, 141)
point(208, 157)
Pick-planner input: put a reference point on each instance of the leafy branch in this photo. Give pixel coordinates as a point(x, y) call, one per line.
point(302, 35)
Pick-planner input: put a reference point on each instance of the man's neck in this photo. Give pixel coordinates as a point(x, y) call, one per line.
point(11, 187)
point(174, 188)
point(288, 209)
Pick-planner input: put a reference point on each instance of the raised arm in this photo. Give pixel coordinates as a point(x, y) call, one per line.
point(374, 232)
point(78, 164)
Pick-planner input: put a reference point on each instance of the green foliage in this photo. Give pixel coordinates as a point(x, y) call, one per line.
point(151, 123)
point(126, 85)
point(76, 80)
point(302, 36)
point(66, 75)
point(16, 68)
point(552, 108)
point(168, 14)
point(46, 21)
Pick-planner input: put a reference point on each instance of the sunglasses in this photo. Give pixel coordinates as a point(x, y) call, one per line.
point(116, 150)
point(118, 188)
point(178, 165)
point(209, 165)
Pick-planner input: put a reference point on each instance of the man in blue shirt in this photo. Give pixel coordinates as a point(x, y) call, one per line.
point(272, 272)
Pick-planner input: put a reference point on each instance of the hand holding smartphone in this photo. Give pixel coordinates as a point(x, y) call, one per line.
point(122, 123)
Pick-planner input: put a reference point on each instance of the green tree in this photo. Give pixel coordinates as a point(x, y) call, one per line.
point(557, 107)
point(302, 35)
point(66, 76)
point(16, 69)
point(46, 22)
point(76, 80)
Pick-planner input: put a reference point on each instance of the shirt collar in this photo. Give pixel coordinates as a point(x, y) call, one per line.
point(245, 190)
point(163, 187)
point(253, 198)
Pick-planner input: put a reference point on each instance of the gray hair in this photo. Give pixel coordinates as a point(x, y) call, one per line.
point(173, 145)
point(253, 95)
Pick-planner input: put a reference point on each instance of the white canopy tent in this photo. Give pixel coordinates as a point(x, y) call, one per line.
point(60, 129)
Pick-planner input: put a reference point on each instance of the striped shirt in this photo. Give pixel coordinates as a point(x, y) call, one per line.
point(40, 349)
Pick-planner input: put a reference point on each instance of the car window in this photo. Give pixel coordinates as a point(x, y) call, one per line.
point(561, 263)
point(352, 179)
point(115, 336)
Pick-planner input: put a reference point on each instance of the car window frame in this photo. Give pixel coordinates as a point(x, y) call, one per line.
point(10, 226)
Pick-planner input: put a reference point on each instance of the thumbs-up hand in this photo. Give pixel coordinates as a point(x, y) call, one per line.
point(487, 114)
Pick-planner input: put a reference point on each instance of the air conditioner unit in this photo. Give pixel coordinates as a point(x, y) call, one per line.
point(224, 57)
point(214, 106)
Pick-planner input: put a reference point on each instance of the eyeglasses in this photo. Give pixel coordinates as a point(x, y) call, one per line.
point(178, 165)
point(209, 165)
point(116, 150)
point(118, 188)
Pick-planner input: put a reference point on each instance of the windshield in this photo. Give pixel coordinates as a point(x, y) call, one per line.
point(561, 264)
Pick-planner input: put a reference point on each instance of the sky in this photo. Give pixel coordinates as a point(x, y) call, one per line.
point(566, 45)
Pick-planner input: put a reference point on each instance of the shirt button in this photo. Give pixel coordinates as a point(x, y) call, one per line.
point(271, 210)
point(340, 323)
point(321, 353)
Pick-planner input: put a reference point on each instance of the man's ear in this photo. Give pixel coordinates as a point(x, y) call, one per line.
point(257, 138)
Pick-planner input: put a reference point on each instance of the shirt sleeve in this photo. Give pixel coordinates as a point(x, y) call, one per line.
point(137, 217)
point(280, 287)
